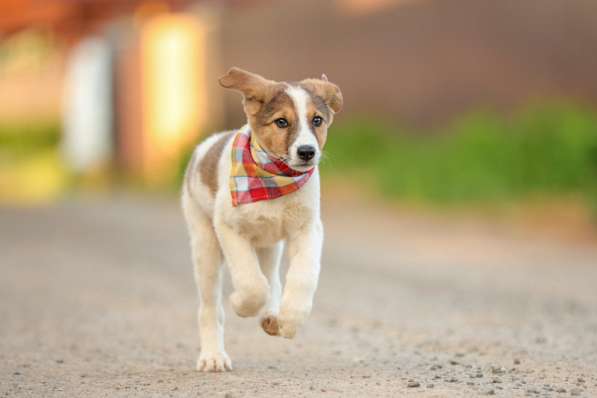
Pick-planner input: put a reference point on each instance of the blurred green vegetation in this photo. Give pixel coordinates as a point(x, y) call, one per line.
point(31, 168)
point(482, 157)
point(25, 138)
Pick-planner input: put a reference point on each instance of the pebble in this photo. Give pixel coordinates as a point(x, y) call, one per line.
point(498, 370)
point(575, 392)
point(413, 384)
point(490, 392)
point(516, 361)
point(561, 390)
point(430, 385)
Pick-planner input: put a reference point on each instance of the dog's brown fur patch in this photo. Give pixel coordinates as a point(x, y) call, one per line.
point(208, 165)
point(274, 139)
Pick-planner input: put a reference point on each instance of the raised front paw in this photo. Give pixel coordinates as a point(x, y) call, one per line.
point(290, 320)
point(214, 362)
point(248, 302)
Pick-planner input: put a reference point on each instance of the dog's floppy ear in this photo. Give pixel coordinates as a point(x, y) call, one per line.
point(253, 87)
point(328, 91)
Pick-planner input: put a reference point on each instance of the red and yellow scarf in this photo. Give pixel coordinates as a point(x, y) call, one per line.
point(256, 176)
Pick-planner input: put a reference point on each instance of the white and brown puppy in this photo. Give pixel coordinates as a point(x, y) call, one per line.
point(289, 121)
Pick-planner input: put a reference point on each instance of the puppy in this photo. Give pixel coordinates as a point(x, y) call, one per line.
point(249, 192)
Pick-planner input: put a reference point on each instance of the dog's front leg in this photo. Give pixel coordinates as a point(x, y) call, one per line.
point(304, 253)
point(251, 290)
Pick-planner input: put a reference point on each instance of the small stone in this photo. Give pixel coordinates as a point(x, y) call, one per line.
point(575, 392)
point(516, 361)
point(490, 392)
point(17, 373)
point(413, 384)
point(452, 380)
point(60, 361)
point(580, 380)
point(498, 370)
point(453, 362)
point(435, 367)
point(430, 385)
point(495, 380)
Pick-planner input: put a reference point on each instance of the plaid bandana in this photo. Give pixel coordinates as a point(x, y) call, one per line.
point(256, 176)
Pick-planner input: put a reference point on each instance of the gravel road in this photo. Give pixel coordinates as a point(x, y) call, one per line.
point(97, 300)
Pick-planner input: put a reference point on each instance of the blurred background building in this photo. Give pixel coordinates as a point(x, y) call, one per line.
point(96, 90)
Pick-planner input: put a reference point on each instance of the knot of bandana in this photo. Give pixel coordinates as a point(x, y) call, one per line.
point(256, 176)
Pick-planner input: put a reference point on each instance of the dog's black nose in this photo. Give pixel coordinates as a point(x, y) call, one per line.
point(305, 152)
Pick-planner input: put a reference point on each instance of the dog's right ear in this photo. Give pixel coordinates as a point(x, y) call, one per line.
point(253, 87)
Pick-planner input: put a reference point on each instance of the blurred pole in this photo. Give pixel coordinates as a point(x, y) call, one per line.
point(163, 99)
point(87, 109)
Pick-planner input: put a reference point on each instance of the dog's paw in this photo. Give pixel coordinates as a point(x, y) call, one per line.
point(290, 320)
point(269, 324)
point(214, 362)
point(248, 303)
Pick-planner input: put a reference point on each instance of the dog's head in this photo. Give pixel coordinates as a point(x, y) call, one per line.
point(290, 120)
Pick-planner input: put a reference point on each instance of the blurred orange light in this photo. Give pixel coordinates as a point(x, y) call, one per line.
point(173, 72)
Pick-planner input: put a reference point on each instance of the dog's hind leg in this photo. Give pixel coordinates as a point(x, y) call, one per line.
point(207, 262)
point(269, 259)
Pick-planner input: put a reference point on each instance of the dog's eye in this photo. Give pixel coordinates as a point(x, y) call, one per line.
point(281, 123)
point(317, 120)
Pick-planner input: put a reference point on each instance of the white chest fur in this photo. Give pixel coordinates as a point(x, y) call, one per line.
point(265, 223)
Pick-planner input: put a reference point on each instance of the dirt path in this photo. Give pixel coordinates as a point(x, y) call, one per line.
point(97, 299)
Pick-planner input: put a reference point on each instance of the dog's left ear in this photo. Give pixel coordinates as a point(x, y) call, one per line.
point(254, 88)
point(328, 91)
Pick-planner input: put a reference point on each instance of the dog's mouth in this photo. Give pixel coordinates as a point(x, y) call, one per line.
point(302, 165)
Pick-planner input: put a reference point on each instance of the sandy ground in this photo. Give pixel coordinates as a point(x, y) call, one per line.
point(97, 299)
